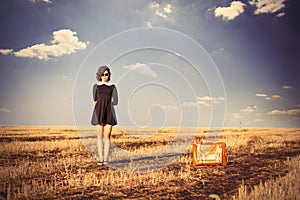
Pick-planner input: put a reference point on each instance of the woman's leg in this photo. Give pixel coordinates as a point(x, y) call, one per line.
point(100, 143)
point(106, 140)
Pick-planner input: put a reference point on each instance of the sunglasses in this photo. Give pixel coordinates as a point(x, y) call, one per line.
point(106, 74)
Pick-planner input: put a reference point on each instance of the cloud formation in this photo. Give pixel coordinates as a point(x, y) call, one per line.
point(6, 51)
point(4, 110)
point(261, 95)
point(45, 1)
point(273, 97)
point(268, 6)
point(277, 112)
point(236, 8)
point(249, 109)
point(236, 116)
point(142, 69)
point(64, 42)
point(230, 13)
point(148, 24)
point(190, 104)
point(286, 87)
point(161, 10)
point(204, 101)
point(283, 112)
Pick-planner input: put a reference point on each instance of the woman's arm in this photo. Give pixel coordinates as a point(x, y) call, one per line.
point(115, 96)
point(95, 92)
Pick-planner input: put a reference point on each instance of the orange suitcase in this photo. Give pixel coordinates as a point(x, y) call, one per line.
point(209, 154)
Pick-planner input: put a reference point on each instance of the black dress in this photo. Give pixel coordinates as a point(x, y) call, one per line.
point(106, 97)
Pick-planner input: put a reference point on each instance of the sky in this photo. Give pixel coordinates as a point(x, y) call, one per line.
point(175, 63)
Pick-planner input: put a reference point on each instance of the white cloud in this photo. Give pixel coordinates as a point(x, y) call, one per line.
point(273, 97)
point(204, 101)
point(276, 96)
point(249, 109)
point(154, 5)
point(4, 110)
point(293, 112)
point(283, 112)
point(214, 99)
point(190, 104)
point(280, 14)
point(6, 51)
point(286, 87)
point(161, 14)
point(233, 117)
point(261, 95)
point(64, 42)
point(161, 10)
point(230, 13)
point(277, 112)
point(168, 8)
point(142, 69)
point(45, 1)
point(236, 116)
point(268, 6)
point(148, 24)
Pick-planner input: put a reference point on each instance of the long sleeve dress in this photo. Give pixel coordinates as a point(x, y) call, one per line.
point(106, 97)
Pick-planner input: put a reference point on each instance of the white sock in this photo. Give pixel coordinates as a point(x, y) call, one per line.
point(100, 147)
point(106, 148)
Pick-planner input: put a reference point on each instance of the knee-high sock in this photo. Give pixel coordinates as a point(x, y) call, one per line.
point(100, 147)
point(106, 148)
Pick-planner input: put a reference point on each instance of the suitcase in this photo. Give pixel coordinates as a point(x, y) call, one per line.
point(209, 153)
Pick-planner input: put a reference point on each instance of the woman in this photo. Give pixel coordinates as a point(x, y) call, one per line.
point(105, 96)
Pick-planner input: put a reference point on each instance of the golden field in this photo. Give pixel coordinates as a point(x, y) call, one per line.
point(53, 162)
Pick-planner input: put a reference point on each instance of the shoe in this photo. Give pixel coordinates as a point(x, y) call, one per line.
point(105, 162)
point(100, 162)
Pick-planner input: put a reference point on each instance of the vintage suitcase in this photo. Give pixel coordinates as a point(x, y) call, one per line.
point(209, 153)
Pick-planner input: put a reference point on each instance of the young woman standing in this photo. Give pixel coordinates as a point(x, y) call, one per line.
point(105, 96)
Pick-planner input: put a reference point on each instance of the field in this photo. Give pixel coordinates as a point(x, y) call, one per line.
point(58, 162)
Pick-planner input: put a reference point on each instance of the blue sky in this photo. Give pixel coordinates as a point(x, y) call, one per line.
point(50, 51)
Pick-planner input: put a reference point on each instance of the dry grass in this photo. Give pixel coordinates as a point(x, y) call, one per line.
point(285, 188)
point(52, 162)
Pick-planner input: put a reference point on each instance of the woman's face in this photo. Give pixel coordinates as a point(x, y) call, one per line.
point(105, 76)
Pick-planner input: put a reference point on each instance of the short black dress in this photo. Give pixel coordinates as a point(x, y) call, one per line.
point(106, 98)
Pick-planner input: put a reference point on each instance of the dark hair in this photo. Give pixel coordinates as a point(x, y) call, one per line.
point(101, 71)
